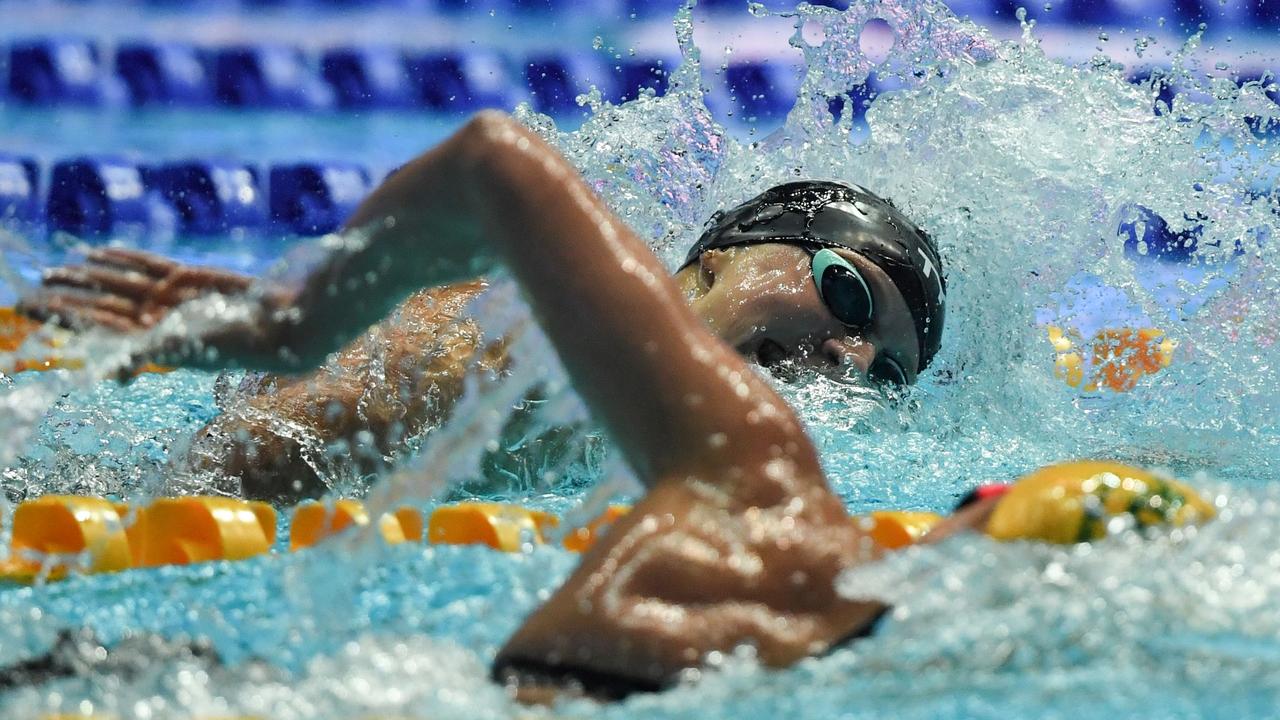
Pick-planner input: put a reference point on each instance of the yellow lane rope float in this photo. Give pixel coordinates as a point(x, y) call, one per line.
point(1120, 357)
point(1076, 501)
point(56, 534)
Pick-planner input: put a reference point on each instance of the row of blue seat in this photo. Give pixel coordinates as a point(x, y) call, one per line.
point(98, 196)
point(602, 9)
point(55, 71)
point(1248, 13)
point(102, 196)
point(73, 71)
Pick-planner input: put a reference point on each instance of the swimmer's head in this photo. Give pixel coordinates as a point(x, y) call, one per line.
point(824, 274)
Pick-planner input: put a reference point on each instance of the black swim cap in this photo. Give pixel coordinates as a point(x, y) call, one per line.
point(828, 214)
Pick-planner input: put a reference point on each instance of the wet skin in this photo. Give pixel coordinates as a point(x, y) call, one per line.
point(739, 539)
point(406, 373)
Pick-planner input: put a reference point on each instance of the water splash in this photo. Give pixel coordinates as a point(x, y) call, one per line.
point(1021, 168)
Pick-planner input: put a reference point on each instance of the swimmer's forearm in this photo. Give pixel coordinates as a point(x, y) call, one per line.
point(420, 228)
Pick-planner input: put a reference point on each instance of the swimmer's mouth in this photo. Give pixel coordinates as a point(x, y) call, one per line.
point(775, 358)
point(770, 354)
point(787, 367)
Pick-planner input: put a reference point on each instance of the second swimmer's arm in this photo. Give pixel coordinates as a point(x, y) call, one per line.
point(421, 227)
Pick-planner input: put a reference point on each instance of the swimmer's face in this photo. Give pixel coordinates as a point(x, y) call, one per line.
point(762, 300)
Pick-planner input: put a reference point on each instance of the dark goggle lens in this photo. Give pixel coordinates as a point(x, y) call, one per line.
point(885, 370)
point(842, 288)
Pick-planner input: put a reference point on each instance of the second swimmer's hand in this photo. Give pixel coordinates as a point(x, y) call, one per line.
point(226, 321)
point(124, 290)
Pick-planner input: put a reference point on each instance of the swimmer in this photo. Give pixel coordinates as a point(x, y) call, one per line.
point(815, 274)
point(739, 539)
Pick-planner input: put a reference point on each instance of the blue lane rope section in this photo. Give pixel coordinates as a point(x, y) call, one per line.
point(71, 71)
point(103, 196)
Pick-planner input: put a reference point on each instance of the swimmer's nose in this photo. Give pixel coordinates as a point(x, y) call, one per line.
point(844, 353)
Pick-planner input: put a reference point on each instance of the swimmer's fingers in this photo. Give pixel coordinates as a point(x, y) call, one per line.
point(123, 283)
point(189, 283)
point(82, 311)
point(157, 266)
point(223, 281)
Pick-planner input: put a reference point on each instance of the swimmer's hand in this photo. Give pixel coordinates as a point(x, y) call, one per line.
point(228, 319)
point(690, 574)
point(124, 290)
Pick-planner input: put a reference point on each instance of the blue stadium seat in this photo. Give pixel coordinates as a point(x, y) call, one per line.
point(164, 74)
point(723, 5)
point(1266, 13)
point(1146, 234)
point(469, 7)
point(96, 196)
point(19, 189)
point(652, 8)
point(461, 81)
point(762, 90)
point(1090, 12)
point(268, 76)
point(316, 198)
point(597, 8)
point(211, 196)
point(1164, 89)
point(372, 77)
point(57, 70)
point(555, 81)
point(1256, 75)
point(976, 9)
point(740, 6)
point(300, 5)
point(863, 95)
point(1190, 13)
point(635, 74)
point(1262, 130)
point(355, 4)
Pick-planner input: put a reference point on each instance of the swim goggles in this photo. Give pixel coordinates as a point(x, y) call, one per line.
point(848, 296)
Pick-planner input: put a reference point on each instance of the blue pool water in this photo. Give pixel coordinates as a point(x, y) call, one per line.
point(1019, 165)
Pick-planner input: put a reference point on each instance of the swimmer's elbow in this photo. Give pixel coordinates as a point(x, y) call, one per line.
point(483, 134)
point(486, 125)
point(492, 152)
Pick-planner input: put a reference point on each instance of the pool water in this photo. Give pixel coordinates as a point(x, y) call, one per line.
point(1021, 168)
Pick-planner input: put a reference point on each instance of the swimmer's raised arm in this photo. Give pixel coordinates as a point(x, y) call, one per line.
point(674, 397)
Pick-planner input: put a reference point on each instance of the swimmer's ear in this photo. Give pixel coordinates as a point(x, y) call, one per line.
point(709, 265)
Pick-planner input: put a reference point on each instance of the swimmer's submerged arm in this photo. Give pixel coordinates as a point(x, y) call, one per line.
point(677, 400)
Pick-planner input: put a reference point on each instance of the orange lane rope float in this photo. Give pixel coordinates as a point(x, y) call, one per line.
point(1120, 357)
point(55, 533)
point(14, 331)
point(893, 529)
point(16, 328)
